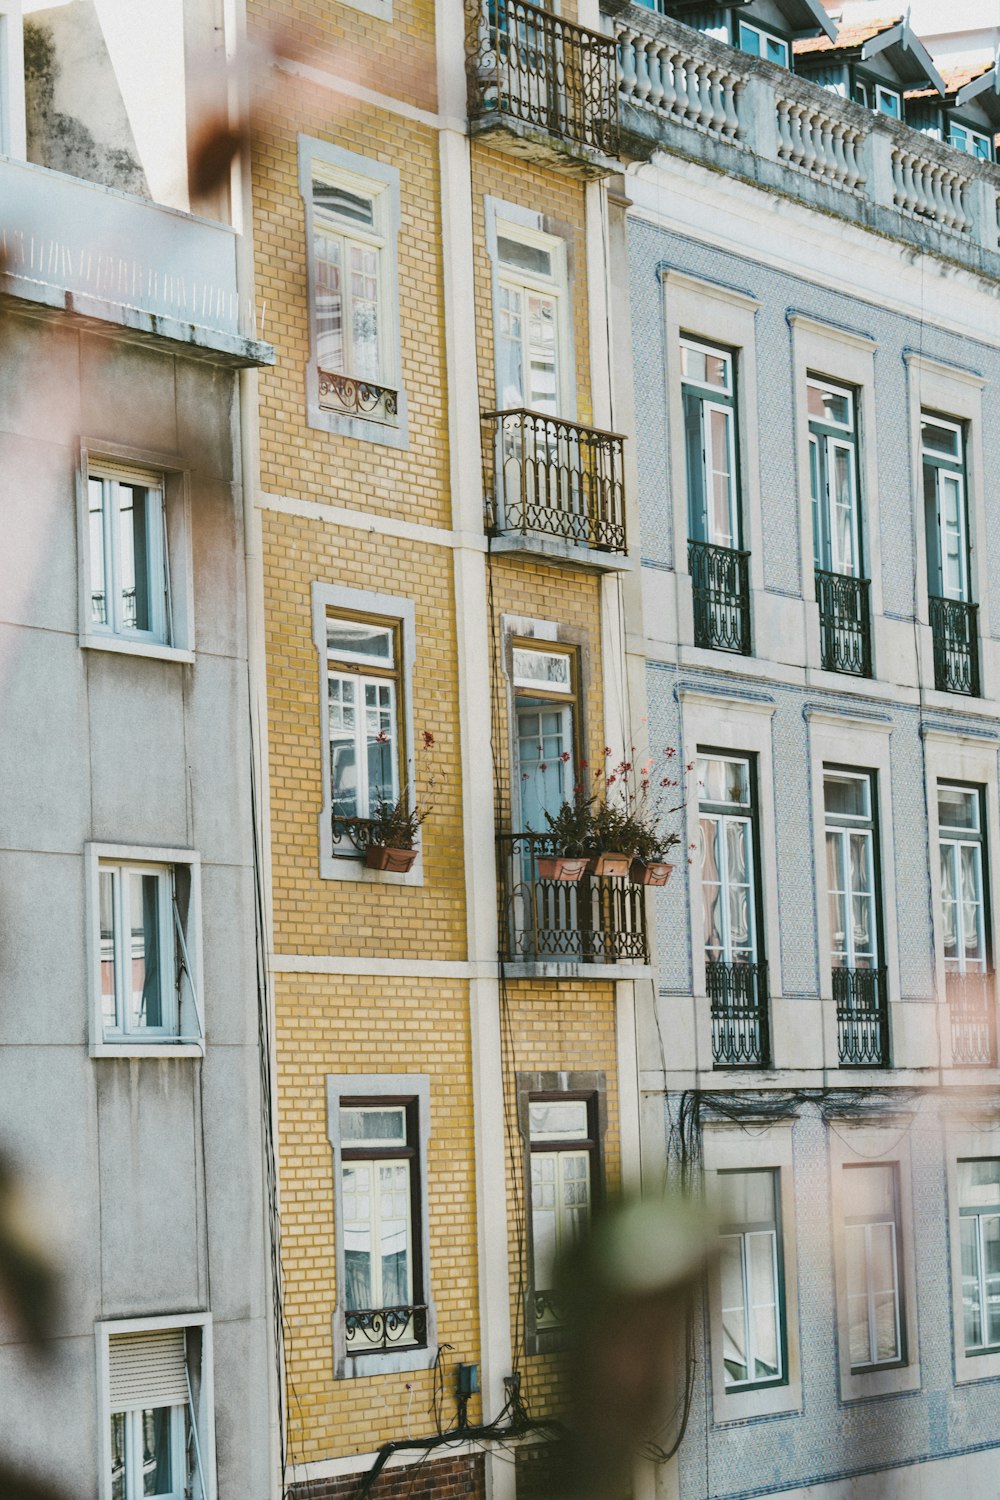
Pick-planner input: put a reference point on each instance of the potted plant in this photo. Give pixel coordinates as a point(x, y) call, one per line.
point(612, 837)
point(570, 830)
point(393, 827)
point(628, 816)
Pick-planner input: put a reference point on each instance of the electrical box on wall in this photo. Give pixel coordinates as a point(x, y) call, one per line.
point(468, 1380)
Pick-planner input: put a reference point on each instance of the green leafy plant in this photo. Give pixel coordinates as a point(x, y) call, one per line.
point(396, 824)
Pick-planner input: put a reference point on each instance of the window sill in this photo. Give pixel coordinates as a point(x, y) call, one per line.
point(147, 1049)
point(365, 429)
point(155, 650)
point(891, 1381)
point(344, 867)
point(745, 1404)
point(394, 1362)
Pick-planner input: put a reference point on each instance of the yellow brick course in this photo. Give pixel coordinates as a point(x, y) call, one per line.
point(326, 1025)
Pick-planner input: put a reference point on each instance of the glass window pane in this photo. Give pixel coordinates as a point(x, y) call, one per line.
point(354, 208)
point(979, 1183)
point(145, 956)
point(380, 725)
point(343, 746)
point(118, 1420)
point(356, 1182)
point(98, 577)
point(107, 881)
point(357, 639)
point(763, 1302)
point(134, 527)
point(847, 796)
point(364, 266)
point(834, 408)
point(363, 1125)
point(394, 1232)
point(869, 1193)
point(543, 1217)
point(533, 258)
point(711, 887)
point(972, 1311)
point(958, 807)
point(886, 1336)
point(746, 1198)
point(991, 1276)
point(543, 385)
point(558, 1120)
point(706, 367)
point(734, 1322)
point(157, 1456)
point(721, 479)
point(329, 299)
point(549, 669)
point(940, 439)
point(724, 781)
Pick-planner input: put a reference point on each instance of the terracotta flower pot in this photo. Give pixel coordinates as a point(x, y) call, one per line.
point(560, 867)
point(609, 863)
point(657, 872)
point(384, 857)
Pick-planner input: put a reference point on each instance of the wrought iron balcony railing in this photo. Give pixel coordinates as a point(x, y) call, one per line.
point(972, 1009)
point(737, 995)
point(720, 578)
point(862, 1017)
point(954, 626)
point(553, 477)
point(844, 623)
point(599, 919)
point(527, 65)
point(371, 1330)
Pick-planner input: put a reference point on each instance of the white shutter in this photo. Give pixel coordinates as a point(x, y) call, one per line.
point(148, 1369)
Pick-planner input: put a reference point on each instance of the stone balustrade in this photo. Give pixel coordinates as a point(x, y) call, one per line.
point(683, 92)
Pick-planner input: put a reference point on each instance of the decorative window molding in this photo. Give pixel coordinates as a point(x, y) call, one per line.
point(765, 1148)
point(531, 259)
point(564, 1181)
point(400, 1094)
point(156, 1372)
point(340, 858)
point(136, 599)
point(856, 1147)
point(143, 907)
point(354, 378)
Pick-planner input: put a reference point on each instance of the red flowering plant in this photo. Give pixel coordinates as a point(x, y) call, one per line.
point(395, 825)
point(627, 812)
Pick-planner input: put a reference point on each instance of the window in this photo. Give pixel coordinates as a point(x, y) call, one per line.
point(963, 138)
point(157, 1431)
point(752, 1279)
point(943, 454)
point(871, 1230)
point(833, 469)
point(546, 726)
point(963, 912)
point(381, 1207)
point(763, 44)
point(127, 556)
point(562, 1144)
point(363, 715)
point(146, 950)
point(708, 389)
point(378, 1127)
point(979, 1230)
point(859, 977)
point(861, 94)
point(531, 293)
point(888, 102)
point(352, 225)
point(735, 974)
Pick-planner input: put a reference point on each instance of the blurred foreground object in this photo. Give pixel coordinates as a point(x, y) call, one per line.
point(627, 1289)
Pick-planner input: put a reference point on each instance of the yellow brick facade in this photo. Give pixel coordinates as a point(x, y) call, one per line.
point(397, 1022)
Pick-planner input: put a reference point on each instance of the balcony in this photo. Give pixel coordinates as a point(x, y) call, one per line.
point(121, 264)
point(720, 580)
point(956, 646)
point(737, 997)
point(972, 1011)
point(862, 1017)
point(554, 487)
point(685, 93)
point(844, 623)
point(541, 87)
point(599, 919)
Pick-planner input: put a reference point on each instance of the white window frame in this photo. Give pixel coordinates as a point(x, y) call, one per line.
point(722, 318)
point(203, 1417)
point(887, 1143)
point(758, 1145)
point(348, 864)
point(13, 140)
point(841, 828)
point(748, 820)
point(844, 438)
point(882, 93)
point(747, 1283)
point(711, 400)
point(838, 359)
point(972, 138)
point(871, 1292)
point(955, 840)
point(955, 470)
point(165, 473)
point(936, 388)
point(977, 1215)
point(510, 221)
point(411, 1086)
point(977, 1136)
point(764, 37)
point(148, 860)
point(381, 183)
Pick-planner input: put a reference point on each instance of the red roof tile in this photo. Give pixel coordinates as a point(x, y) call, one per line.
point(954, 80)
point(847, 37)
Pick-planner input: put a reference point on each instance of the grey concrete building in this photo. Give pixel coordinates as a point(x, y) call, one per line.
point(130, 1084)
point(813, 379)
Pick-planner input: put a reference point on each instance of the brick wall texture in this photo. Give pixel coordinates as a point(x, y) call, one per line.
point(427, 1478)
